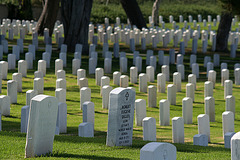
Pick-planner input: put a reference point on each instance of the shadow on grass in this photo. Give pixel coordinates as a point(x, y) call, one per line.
point(11, 126)
point(106, 113)
point(49, 88)
point(86, 156)
point(12, 134)
point(199, 149)
point(72, 137)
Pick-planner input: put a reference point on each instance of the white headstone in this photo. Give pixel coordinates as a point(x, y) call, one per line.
point(235, 142)
point(140, 113)
point(105, 96)
point(203, 125)
point(230, 104)
point(227, 122)
point(88, 112)
point(187, 110)
point(149, 129)
point(177, 130)
point(85, 95)
point(228, 85)
point(58, 65)
point(208, 89)
point(120, 117)
point(124, 81)
point(60, 94)
point(5, 105)
point(157, 150)
point(143, 79)
point(29, 95)
point(224, 76)
point(42, 66)
point(18, 78)
point(22, 67)
point(62, 117)
point(81, 73)
point(85, 130)
point(4, 69)
point(152, 96)
point(133, 75)
point(116, 78)
point(24, 118)
point(41, 130)
point(200, 140)
point(210, 108)
point(99, 72)
point(12, 90)
point(38, 85)
point(61, 83)
point(164, 107)
point(177, 81)
point(171, 93)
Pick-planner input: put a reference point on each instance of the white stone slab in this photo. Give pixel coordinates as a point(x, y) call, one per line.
point(5, 105)
point(85, 95)
point(177, 130)
point(140, 111)
point(143, 79)
point(209, 108)
point(152, 96)
point(200, 140)
point(62, 117)
point(157, 151)
point(120, 117)
point(187, 110)
point(41, 130)
point(171, 94)
point(164, 116)
point(38, 85)
point(235, 143)
point(22, 67)
point(149, 129)
point(60, 94)
point(203, 125)
point(24, 118)
point(105, 96)
point(29, 95)
point(85, 130)
point(227, 122)
point(12, 91)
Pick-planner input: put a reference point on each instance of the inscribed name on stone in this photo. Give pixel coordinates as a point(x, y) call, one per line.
point(120, 117)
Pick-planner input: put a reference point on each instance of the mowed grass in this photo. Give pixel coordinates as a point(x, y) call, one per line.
point(70, 146)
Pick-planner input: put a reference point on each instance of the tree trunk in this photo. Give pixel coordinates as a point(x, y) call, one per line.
point(134, 13)
point(155, 11)
point(76, 19)
point(223, 32)
point(25, 11)
point(48, 16)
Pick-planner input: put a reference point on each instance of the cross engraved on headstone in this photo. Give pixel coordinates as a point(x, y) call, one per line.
point(165, 154)
point(127, 95)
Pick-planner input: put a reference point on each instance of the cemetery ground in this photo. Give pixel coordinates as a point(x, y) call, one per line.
point(70, 146)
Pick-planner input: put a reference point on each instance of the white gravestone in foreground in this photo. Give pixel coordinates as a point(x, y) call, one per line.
point(235, 143)
point(120, 117)
point(41, 126)
point(157, 151)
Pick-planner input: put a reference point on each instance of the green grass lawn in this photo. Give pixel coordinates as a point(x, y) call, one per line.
point(70, 146)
